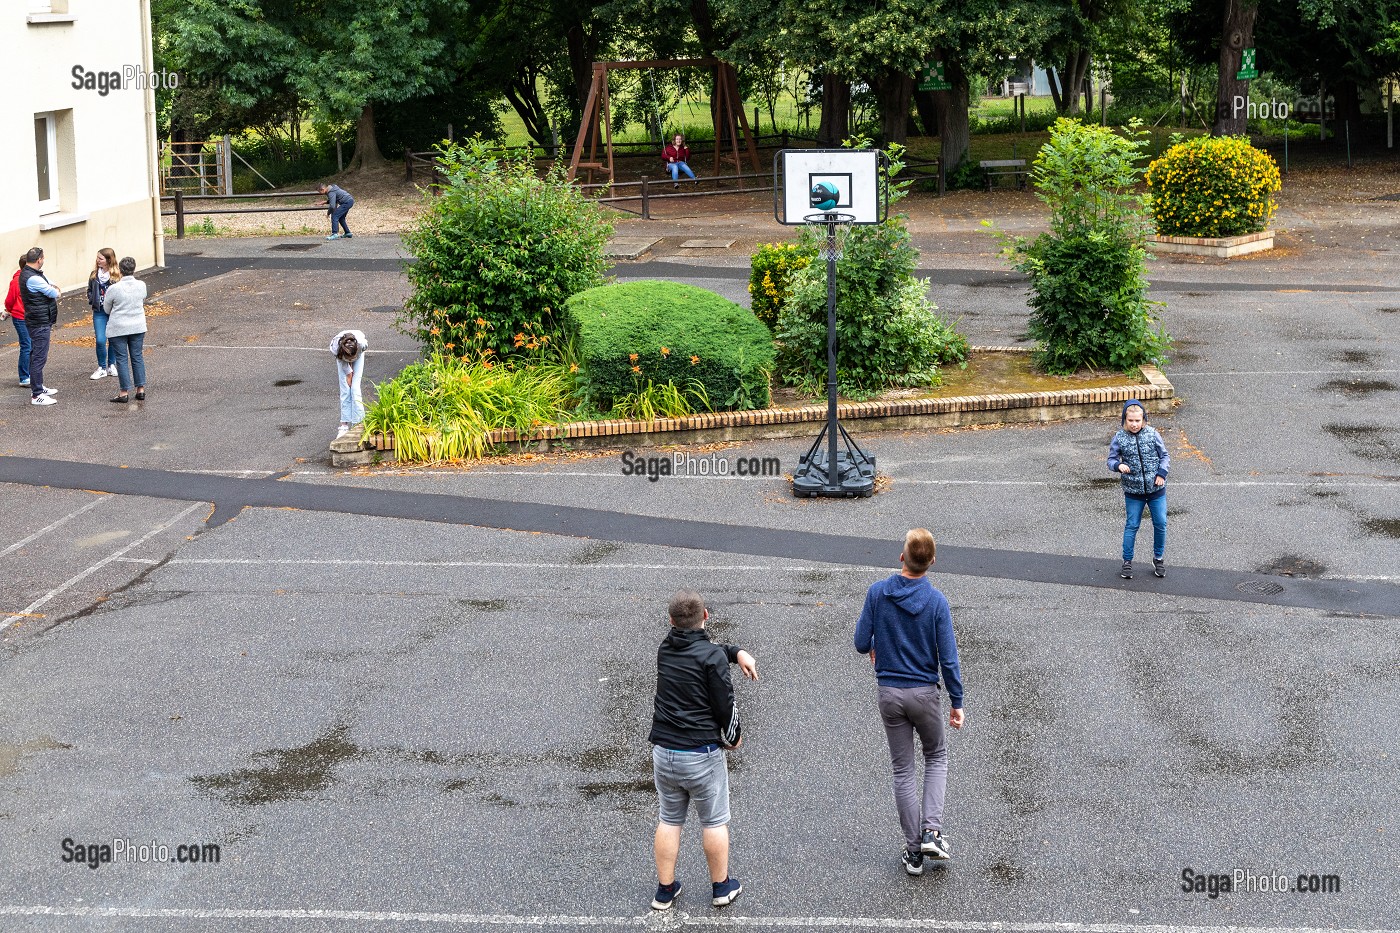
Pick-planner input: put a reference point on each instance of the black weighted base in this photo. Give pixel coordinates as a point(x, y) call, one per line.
point(855, 476)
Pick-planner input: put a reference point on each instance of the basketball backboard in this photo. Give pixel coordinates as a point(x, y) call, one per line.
point(850, 181)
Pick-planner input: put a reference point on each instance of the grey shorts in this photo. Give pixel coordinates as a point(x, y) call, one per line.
point(685, 776)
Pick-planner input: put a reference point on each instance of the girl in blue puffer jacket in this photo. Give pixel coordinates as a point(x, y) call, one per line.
point(1139, 456)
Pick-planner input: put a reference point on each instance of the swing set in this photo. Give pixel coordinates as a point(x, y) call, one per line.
point(727, 109)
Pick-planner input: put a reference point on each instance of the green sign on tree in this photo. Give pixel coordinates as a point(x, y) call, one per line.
point(931, 78)
point(1249, 68)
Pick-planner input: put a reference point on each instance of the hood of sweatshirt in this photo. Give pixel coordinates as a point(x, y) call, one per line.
point(1123, 419)
point(910, 595)
point(678, 638)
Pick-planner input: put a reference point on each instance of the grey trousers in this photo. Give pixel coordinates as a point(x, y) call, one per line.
point(904, 712)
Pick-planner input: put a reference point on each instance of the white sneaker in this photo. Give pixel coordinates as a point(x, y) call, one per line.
point(99, 373)
point(343, 430)
point(112, 369)
point(50, 391)
point(43, 400)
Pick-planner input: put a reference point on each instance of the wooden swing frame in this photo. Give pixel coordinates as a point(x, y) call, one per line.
point(597, 116)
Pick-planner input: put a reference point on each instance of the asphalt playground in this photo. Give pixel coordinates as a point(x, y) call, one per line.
point(417, 699)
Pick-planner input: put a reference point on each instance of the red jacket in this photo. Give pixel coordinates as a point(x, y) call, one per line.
point(12, 302)
point(677, 155)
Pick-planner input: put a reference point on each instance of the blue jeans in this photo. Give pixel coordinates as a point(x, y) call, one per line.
point(352, 403)
point(131, 364)
point(677, 168)
point(38, 357)
point(99, 330)
point(24, 345)
point(682, 777)
point(338, 218)
point(1158, 508)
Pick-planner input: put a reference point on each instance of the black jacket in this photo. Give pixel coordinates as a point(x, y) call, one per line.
point(39, 310)
point(694, 695)
point(96, 291)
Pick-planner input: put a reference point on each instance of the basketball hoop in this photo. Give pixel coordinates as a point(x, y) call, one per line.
point(838, 226)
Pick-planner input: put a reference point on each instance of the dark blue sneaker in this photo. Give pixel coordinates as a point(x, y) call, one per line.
point(725, 892)
point(665, 895)
point(913, 862)
point(935, 845)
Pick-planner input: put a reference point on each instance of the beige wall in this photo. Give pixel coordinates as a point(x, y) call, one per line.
point(70, 252)
point(104, 145)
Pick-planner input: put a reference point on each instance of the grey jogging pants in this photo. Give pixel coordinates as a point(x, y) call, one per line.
point(904, 712)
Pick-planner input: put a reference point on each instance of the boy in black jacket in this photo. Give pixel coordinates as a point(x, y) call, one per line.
point(694, 720)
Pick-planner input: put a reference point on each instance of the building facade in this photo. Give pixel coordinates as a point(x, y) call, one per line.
point(79, 169)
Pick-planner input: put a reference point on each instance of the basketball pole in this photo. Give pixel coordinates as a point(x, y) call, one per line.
point(833, 475)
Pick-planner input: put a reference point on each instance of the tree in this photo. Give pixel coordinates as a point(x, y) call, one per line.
point(1236, 35)
point(363, 55)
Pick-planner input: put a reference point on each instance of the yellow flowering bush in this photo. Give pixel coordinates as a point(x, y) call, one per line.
point(1212, 186)
point(770, 278)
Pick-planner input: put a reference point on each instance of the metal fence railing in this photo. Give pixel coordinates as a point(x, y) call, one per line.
point(181, 208)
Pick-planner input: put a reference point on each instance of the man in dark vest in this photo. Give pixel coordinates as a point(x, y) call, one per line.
point(40, 300)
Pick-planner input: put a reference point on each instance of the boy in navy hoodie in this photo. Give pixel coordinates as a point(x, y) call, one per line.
point(1140, 458)
point(907, 629)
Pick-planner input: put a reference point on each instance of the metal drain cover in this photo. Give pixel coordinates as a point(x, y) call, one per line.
point(1259, 587)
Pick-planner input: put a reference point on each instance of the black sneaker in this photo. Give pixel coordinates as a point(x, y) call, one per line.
point(913, 862)
point(725, 891)
point(935, 845)
point(1127, 572)
point(1159, 567)
point(665, 895)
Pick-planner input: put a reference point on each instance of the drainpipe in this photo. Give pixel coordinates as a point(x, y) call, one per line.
point(152, 151)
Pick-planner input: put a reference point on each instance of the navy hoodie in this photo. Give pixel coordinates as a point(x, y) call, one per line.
point(908, 624)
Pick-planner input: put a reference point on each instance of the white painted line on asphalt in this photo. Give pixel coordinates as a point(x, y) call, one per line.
point(677, 918)
point(210, 346)
point(110, 558)
point(1289, 372)
point(43, 531)
point(502, 565)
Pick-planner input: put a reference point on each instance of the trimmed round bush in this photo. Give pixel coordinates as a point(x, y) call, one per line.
point(1213, 186)
point(633, 334)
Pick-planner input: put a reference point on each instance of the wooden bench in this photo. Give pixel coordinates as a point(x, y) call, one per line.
point(1015, 168)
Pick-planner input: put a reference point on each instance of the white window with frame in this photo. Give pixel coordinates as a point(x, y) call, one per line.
point(46, 161)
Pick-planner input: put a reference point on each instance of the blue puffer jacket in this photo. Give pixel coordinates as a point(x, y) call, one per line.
point(1145, 455)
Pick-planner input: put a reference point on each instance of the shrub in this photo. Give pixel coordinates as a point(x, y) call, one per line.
point(770, 278)
point(444, 407)
point(888, 333)
point(498, 253)
point(638, 333)
point(1212, 186)
point(1088, 297)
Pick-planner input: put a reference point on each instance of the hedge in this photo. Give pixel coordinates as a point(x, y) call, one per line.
point(635, 333)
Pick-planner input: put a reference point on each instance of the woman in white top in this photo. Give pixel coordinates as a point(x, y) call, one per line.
point(349, 348)
point(125, 303)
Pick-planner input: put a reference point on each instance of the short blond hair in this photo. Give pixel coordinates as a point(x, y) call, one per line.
point(919, 550)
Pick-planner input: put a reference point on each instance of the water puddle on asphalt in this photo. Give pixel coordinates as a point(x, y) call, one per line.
point(294, 773)
point(1291, 565)
point(11, 754)
point(1367, 441)
point(283, 383)
point(1382, 527)
point(1358, 388)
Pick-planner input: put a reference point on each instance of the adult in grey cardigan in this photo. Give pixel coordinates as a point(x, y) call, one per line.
point(125, 302)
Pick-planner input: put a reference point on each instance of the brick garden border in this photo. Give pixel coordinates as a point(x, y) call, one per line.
point(1155, 392)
